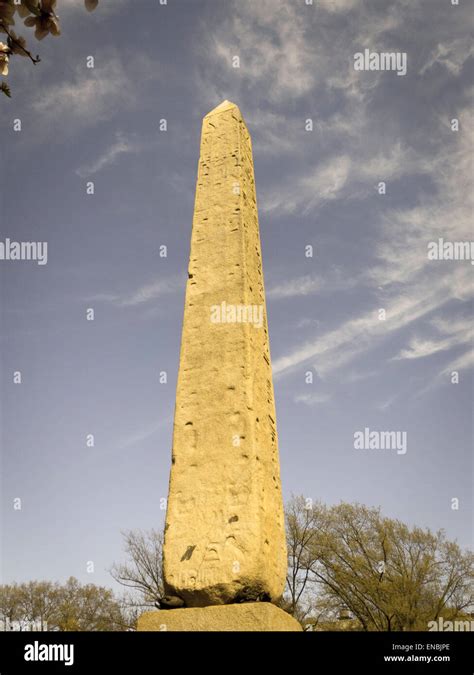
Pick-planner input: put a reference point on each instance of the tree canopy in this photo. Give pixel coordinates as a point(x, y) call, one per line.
point(349, 560)
point(44, 605)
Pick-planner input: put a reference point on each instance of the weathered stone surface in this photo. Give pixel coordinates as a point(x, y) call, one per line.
point(224, 535)
point(251, 616)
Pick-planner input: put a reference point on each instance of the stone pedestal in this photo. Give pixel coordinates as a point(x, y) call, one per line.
point(249, 616)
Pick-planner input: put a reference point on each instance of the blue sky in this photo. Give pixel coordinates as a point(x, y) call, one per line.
point(318, 188)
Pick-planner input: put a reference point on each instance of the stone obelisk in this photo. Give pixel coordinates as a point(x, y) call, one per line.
point(224, 535)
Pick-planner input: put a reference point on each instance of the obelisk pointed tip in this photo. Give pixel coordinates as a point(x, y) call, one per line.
point(222, 107)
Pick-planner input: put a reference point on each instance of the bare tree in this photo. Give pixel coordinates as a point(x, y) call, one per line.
point(143, 570)
point(301, 531)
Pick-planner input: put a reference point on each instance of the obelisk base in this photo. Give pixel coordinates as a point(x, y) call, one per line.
point(248, 616)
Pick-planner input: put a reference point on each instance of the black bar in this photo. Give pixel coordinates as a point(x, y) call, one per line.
point(324, 653)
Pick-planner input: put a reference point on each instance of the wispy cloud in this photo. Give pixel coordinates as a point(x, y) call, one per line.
point(279, 59)
point(342, 177)
point(338, 6)
point(142, 295)
point(321, 185)
point(341, 345)
point(354, 376)
point(421, 348)
point(312, 399)
point(307, 322)
point(89, 96)
point(462, 363)
point(384, 405)
point(122, 145)
point(452, 54)
point(92, 94)
point(151, 292)
point(459, 333)
point(295, 287)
